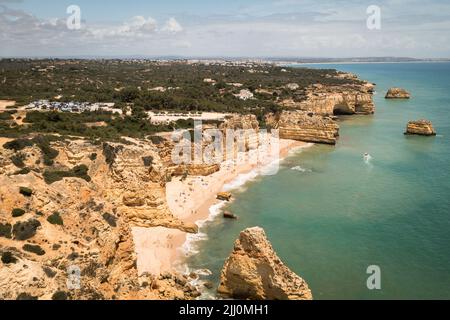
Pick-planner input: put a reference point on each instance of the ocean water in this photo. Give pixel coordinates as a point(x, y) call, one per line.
point(329, 213)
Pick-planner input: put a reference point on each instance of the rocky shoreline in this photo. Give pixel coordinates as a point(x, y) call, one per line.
point(69, 206)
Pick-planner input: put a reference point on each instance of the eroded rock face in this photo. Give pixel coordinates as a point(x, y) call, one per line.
point(336, 100)
point(303, 126)
point(249, 126)
point(254, 271)
point(310, 117)
point(93, 233)
point(420, 127)
point(397, 93)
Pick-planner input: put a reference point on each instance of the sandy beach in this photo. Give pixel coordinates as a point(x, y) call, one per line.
point(161, 249)
point(4, 104)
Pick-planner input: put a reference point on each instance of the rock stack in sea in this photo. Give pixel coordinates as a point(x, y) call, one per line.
point(254, 271)
point(420, 127)
point(397, 93)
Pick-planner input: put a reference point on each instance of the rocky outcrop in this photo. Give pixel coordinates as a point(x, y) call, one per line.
point(420, 127)
point(397, 93)
point(309, 116)
point(249, 127)
point(335, 100)
point(303, 126)
point(83, 226)
point(254, 271)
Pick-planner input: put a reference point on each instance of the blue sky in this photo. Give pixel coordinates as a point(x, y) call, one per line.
point(294, 28)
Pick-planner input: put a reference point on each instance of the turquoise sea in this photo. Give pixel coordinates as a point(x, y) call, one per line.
point(330, 215)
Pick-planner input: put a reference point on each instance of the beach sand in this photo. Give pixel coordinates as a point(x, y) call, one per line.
point(6, 103)
point(160, 249)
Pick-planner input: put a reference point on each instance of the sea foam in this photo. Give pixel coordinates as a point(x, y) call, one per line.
point(301, 169)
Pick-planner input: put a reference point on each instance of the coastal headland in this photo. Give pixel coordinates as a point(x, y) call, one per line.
point(102, 198)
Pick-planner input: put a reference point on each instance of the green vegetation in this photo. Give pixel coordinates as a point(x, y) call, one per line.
point(5, 230)
point(17, 160)
point(60, 295)
point(156, 139)
point(18, 144)
point(56, 219)
point(17, 212)
point(23, 171)
point(42, 142)
point(25, 230)
point(110, 219)
point(130, 85)
point(8, 258)
point(36, 249)
point(27, 192)
point(93, 156)
point(5, 116)
point(148, 161)
point(81, 171)
point(77, 124)
point(26, 296)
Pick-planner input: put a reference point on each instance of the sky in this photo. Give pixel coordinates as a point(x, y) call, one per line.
point(231, 28)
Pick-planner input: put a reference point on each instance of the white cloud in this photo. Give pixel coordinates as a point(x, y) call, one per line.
point(172, 26)
point(314, 29)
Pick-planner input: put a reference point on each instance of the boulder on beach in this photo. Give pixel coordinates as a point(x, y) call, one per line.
point(229, 215)
point(420, 127)
point(254, 271)
point(224, 196)
point(397, 93)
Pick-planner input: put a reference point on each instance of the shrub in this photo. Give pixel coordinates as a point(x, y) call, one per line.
point(55, 218)
point(148, 161)
point(17, 160)
point(5, 230)
point(23, 171)
point(93, 156)
point(27, 192)
point(47, 161)
point(26, 296)
point(25, 230)
point(110, 152)
point(110, 219)
point(42, 142)
point(80, 171)
point(7, 258)
point(34, 249)
point(59, 295)
point(5, 116)
point(17, 212)
point(156, 139)
point(18, 144)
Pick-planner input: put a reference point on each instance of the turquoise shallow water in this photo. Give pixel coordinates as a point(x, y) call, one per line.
point(339, 215)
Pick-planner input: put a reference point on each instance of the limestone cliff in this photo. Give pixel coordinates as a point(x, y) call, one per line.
point(53, 223)
point(397, 93)
point(420, 127)
point(309, 118)
point(303, 126)
point(335, 100)
point(254, 271)
point(249, 126)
